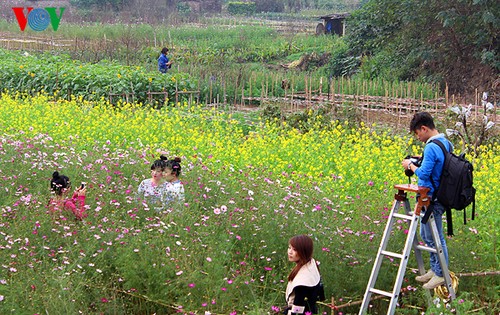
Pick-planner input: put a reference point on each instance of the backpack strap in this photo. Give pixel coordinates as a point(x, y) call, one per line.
point(449, 220)
point(441, 145)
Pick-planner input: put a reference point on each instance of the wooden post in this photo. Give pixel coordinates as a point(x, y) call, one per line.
point(476, 102)
point(332, 91)
point(176, 93)
point(398, 110)
point(305, 86)
point(321, 86)
point(224, 92)
point(250, 88)
point(342, 90)
point(210, 98)
point(267, 86)
point(436, 102)
point(421, 99)
point(310, 89)
point(446, 95)
point(262, 93)
point(242, 95)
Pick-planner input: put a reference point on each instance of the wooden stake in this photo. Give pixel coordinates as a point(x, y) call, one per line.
point(210, 98)
point(446, 95)
point(476, 102)
point(320, 86)
point(250, 88)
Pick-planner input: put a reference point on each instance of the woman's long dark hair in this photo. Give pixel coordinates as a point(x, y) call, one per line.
point(304, 247)
point(59, 182)
point(175, 166)
point(160, 163)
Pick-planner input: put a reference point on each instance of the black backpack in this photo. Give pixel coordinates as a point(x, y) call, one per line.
point(455, 185)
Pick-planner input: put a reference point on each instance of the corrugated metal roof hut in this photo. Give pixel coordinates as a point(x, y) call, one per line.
point(332, 24)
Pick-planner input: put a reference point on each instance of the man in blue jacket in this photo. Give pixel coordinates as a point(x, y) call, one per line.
point(163, 62)
point(429, 174)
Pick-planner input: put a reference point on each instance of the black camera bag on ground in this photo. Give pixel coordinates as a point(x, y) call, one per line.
point(455, 185)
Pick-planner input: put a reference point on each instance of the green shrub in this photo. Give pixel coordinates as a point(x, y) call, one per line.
point(241, 8)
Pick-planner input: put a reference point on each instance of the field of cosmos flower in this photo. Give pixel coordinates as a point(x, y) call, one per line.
point(249, 188)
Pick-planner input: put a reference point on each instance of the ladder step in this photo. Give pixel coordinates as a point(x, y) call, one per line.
point(385, 293)
point(403, 216)
point(392, 254)
point(427, 249)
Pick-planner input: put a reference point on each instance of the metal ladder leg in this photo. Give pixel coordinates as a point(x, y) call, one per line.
point(382, 252)
point(442, 259)
point(411, 243)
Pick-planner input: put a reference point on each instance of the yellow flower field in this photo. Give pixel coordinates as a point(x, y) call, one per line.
point(248, 188)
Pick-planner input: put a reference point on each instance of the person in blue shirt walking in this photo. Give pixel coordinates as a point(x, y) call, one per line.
point(429, 173)
point(163, 62)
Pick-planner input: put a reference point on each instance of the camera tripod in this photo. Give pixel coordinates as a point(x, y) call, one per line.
point(411, 242)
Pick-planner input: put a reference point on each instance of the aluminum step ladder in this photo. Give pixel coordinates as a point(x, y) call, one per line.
point(411, 242)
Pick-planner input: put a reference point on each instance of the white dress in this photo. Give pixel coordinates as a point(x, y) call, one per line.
point(173, 193)
point(151, 194)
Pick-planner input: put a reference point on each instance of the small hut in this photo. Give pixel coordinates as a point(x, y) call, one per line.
point(332, 24)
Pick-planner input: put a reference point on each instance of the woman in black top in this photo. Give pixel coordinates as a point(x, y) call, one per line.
point(304, 280)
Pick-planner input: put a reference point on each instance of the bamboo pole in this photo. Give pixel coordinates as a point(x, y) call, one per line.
point(436, 100)
point(321, 86)
point(421, 99)
point(250, 87)
point(446, 96)
point(310, 89)
point(332, 90)
point(476, 102)
point(210, 98)
point(224, 92)
point(242, 95)
point(399, 111)
point(342, 90)
point(267, 86)
point(262, 93)
point(235, 94)
point(305, 86)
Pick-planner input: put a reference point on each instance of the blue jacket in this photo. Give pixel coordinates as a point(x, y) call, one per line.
point(162, 63)
point(431, 168)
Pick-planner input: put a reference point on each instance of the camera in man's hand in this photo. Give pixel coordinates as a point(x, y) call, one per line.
point(415, 160)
